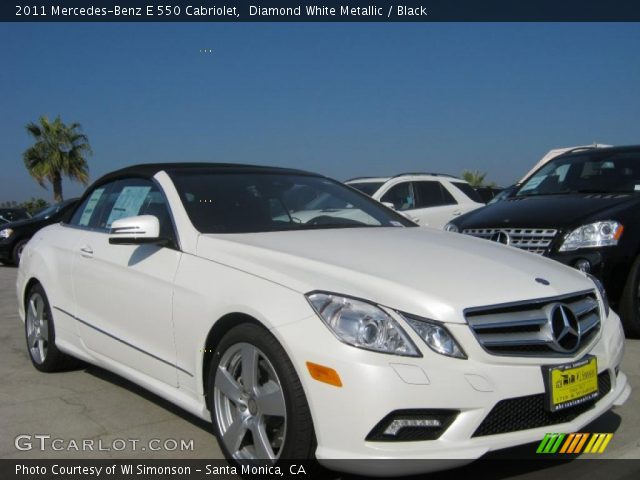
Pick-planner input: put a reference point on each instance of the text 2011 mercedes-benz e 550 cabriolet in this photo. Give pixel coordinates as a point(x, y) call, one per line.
point(348, 335)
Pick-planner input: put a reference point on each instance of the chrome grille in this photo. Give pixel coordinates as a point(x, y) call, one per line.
point(524, 328)
point(535, 240)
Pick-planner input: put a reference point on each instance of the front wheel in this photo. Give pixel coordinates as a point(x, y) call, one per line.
point(630, 302)
point(258, 407)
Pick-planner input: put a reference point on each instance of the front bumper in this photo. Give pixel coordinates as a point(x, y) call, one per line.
point(376, 384)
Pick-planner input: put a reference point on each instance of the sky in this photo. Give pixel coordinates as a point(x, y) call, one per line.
point(343, 100)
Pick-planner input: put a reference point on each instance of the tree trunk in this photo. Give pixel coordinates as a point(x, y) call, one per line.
point(57, 187)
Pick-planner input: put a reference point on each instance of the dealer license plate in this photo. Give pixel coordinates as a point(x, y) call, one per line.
point(571, 384)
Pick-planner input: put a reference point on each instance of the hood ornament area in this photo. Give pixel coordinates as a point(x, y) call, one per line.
point(501, 237)
point(564, 328)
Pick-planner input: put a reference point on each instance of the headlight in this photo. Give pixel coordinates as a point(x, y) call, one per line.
point(598, 234)
point(362, 324)
point(436, 336)
point(6, 233)
point(603, 294)
point(451, 227)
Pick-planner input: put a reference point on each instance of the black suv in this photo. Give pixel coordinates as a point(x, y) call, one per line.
point(582, 209)
point(15, 235)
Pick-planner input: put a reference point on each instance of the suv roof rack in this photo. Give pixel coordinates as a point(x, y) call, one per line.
point(363, 178)
point(433, 174)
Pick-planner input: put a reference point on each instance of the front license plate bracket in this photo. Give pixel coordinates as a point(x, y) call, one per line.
point(570, 384)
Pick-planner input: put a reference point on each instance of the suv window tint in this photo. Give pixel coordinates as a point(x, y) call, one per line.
point(432, 194)
point(468, 190)
point(401, 195)
point(368, 188)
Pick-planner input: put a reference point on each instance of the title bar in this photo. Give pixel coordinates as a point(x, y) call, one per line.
point(321, 11)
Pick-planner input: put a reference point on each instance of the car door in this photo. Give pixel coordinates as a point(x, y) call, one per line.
point(124, 293)
point(435, 206)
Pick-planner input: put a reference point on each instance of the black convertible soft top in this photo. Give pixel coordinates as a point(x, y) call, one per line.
point(148, 170)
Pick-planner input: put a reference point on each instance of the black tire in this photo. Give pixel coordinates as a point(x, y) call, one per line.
point(53, 360)
point(299, 438)
point(630, 303)
point(16, 253)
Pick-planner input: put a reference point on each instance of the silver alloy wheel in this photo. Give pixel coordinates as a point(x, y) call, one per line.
point(249, 404)
point(37, 328)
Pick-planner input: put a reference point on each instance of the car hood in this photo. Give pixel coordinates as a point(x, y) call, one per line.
point(425, 272)
point(545, 211)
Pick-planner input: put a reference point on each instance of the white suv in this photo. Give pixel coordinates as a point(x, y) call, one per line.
point(430, 199)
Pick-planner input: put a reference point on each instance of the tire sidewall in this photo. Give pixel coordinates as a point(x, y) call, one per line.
point(52, 352)
point(15, 254)
point(296, 445)
point(630, 304)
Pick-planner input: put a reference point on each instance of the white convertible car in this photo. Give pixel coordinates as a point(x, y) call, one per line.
point(340, 337)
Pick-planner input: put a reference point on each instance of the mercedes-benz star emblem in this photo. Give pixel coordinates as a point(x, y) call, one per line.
point(501, 237)
point(565, 328)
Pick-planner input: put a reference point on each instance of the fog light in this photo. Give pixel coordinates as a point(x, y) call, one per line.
point(583, 265)
point(412, 425)
point(397, 425)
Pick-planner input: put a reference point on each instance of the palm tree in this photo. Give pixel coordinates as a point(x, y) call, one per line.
point(474, 178)
point(59, 150)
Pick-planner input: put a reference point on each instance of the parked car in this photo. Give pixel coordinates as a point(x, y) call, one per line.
point(429, 199)
point(15, 235)
point(330, 337)
point(8, 215)
point(581, 209)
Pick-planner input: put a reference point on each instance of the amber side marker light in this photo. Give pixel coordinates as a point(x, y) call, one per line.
point(324, 374)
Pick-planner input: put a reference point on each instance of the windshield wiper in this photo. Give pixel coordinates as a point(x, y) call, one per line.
point(593, 190)
point(307, 226)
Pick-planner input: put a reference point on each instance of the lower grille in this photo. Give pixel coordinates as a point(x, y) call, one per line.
point(534, 240)
point(525, 413)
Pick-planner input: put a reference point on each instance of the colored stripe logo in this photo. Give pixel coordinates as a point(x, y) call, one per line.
point(574, 443)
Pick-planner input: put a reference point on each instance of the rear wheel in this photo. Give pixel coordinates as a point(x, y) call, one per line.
point(40, 334)
point(630, 302)
point(259, 409)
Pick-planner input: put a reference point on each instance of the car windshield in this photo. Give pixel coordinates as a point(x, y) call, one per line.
point(262, 202)
point(368, 188)
point(47, 211)
point(595, 173)
point(7, 216)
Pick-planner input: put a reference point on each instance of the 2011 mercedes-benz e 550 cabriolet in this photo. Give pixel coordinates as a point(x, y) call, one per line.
point(304, 319)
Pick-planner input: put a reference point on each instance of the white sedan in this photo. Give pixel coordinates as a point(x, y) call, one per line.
point(339, 337)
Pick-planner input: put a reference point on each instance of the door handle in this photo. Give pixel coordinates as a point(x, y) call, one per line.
point(457, 213)
point(86, 251)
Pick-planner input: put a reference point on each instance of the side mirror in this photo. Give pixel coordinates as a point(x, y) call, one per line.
point(143, 229)
point(389, 205)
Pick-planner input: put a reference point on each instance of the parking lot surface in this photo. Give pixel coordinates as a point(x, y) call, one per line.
point(93, 404)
